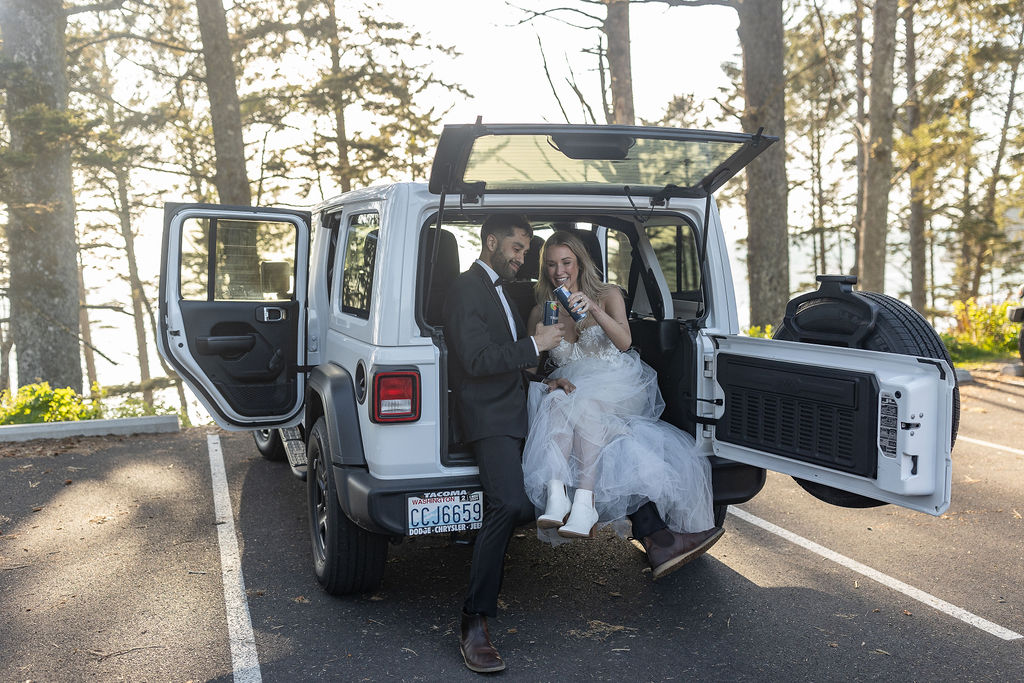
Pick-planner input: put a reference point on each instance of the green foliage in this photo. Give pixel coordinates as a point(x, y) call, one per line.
point(762, 332)
point(37, 403)
point(40, 403)
point(136, 407)
point(981, 332)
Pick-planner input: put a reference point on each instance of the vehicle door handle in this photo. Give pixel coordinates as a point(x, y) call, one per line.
point(271, 314)
point(225, 346)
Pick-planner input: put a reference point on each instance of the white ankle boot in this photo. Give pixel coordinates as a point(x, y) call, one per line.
point(557, 510)
point(583, 518)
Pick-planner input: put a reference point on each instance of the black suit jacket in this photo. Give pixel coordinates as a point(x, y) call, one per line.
point(484, 364)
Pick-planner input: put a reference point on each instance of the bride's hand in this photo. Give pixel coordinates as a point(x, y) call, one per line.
point(560, 383)
point(580, 302)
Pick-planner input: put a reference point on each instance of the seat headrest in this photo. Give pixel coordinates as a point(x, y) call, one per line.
point(446, 269)
point(531, 264)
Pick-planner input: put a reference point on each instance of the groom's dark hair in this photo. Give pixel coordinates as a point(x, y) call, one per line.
point(504, 224)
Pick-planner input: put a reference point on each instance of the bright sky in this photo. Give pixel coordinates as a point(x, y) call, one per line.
point(674, 51)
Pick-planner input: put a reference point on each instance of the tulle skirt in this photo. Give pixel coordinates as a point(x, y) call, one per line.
point(606, 436)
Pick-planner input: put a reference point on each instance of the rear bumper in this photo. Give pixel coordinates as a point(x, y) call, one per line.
point(381, 505)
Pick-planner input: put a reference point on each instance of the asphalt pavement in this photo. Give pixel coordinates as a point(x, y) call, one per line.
point(111, 567)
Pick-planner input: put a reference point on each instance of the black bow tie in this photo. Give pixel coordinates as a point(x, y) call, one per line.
point(502, 281)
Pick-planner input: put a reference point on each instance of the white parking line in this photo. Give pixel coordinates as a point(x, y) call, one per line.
point(884, 579)
point(244, 659)
point(989, 444)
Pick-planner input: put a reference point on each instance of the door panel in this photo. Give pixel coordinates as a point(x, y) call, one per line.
point(813, 416)
point(244, 356)
point(232, 299)
point(875, 424)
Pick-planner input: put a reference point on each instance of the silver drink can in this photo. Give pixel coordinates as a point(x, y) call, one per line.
point(562, 294)
point(550, 312)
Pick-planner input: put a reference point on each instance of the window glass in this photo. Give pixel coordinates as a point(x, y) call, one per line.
point(677, 254)
point(252, 260)
point(360, 261)
point(620, 257)
point(603, 162)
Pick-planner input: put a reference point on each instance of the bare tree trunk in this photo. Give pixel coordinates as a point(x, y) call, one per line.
point(5, 361)
point(860, 126)
point(879, 158)
point(762, 39)
point(616, 28)
point(41, 237)
point(962, 277)
point(918, 252)
point(231, 179)
point(135, 282)
point(83, 322)
point(818, 144)
point(343, 172)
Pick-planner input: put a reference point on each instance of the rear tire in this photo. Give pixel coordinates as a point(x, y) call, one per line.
point(346, 558)
point(1020, 343)
point(899, 329)
point(269, 444)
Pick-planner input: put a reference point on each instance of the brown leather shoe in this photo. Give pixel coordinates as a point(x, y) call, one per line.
point(668, 550)
point(475, 643)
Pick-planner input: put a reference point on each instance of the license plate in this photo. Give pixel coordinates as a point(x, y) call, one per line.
point(438, 512)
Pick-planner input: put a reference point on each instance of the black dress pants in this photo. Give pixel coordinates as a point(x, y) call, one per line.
point(646, 521)
point(505, 507)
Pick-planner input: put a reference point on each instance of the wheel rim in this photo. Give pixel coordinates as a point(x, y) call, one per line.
point(320, 504)
point(264, 435)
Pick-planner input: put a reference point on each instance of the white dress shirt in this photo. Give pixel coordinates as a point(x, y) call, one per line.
point(504, 302)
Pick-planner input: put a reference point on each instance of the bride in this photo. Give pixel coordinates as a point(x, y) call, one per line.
point(594, 424)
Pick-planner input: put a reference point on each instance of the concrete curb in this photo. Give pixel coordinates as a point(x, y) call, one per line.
point(58, 430)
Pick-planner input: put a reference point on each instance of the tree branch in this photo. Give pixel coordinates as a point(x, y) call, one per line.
point(549, 14)
point(551, 83)
point(579, 94)
point(176, 47)
point(94, 7)
point(689, 3)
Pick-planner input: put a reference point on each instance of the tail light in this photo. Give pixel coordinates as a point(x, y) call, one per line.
point(396, 396)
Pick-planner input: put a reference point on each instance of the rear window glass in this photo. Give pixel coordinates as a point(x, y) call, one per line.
point(360, 264)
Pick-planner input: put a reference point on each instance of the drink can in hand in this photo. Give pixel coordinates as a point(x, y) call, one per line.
point(550, 312)
point(562, 294)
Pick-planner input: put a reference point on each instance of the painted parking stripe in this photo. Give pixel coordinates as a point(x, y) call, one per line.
point(884, 579)
point(989, 444)
point(244, 660)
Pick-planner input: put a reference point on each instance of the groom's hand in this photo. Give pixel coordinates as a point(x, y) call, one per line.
point(547, 337)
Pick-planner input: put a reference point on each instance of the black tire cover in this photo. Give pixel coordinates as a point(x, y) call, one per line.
point(896, 328)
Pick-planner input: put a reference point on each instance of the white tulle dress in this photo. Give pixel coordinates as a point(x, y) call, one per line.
point(606, 435)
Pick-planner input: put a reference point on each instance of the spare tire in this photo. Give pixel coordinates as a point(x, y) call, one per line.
point(836, 315)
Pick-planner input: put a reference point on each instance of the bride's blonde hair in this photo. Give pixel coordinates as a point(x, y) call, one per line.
point(588, 279)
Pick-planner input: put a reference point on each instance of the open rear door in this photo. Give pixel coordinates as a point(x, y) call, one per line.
point(875, 424)
point(233, 310)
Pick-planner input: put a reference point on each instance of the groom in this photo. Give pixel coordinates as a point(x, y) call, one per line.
point(488, 352)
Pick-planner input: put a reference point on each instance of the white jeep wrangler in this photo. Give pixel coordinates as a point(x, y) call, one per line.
point(335, 356)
